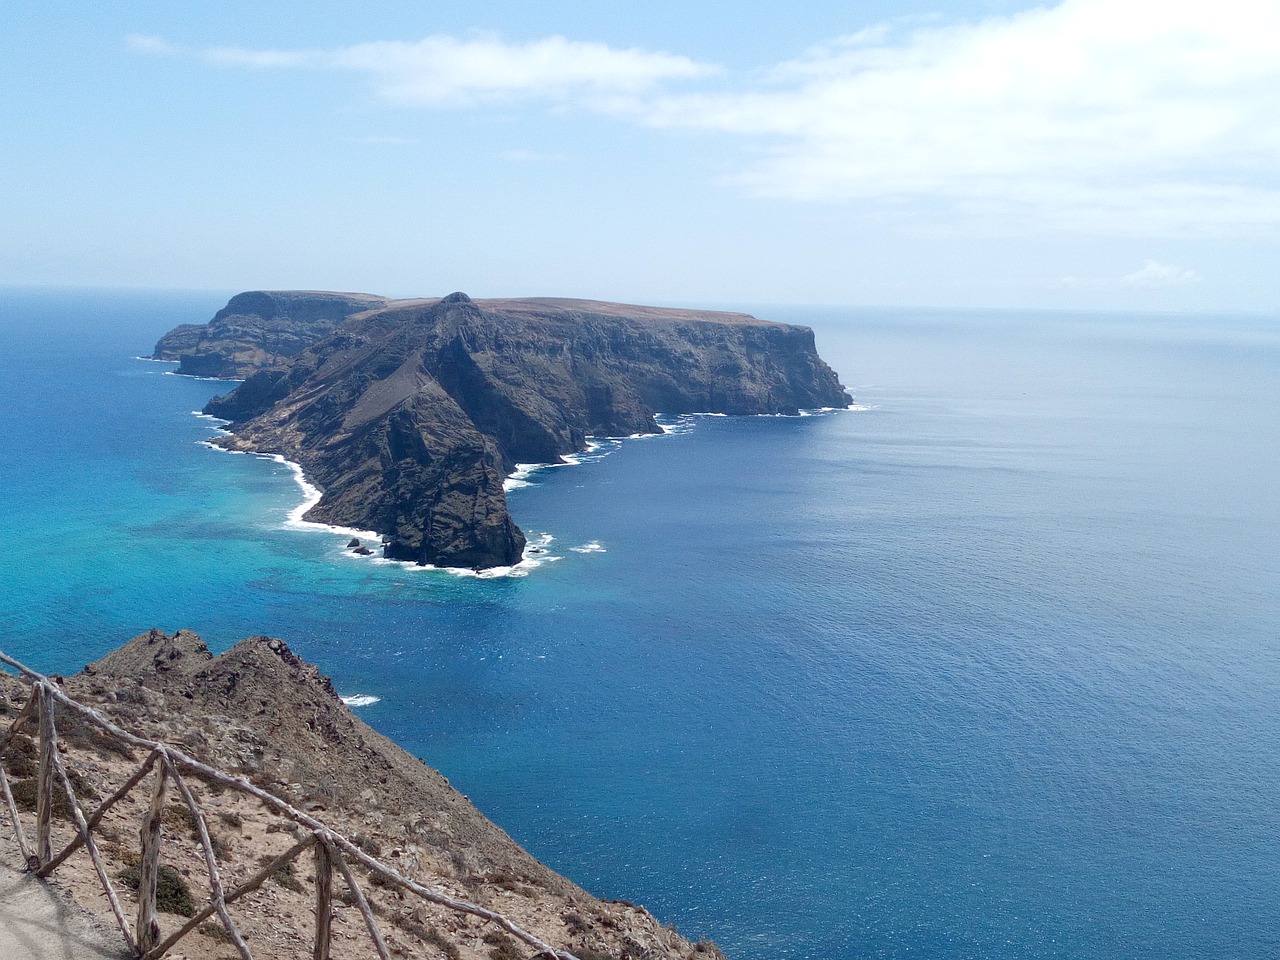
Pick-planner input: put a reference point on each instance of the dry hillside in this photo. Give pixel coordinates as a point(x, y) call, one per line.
point(261, 712)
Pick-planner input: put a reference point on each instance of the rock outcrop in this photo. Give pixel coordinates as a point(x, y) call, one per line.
point(410, 414)
point(257, 330)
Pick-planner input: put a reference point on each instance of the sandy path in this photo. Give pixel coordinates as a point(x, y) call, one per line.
point(37, 923)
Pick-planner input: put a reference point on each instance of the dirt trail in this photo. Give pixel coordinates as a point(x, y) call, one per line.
point(37, 923)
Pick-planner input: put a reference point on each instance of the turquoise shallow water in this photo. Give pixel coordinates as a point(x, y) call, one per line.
point(987, 669)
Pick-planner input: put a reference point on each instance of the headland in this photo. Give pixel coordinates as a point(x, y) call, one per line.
point(409, 415)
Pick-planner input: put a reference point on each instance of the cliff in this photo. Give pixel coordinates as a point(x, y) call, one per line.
point(260, 711)
point(257, 330)
point(410, 415)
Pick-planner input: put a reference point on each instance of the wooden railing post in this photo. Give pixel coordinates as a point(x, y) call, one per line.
point(44, 782)
point(362, 904)
point(324, 900)
point(148, 928)
point(28, 858)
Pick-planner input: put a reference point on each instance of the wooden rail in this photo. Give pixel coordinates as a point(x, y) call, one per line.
point(167, 764)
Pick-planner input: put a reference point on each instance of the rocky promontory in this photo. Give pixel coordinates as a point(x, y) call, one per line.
point(409, 414)
point(259, 711)
point(258, 329)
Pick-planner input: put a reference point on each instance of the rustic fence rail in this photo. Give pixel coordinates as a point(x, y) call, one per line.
point(167, 765)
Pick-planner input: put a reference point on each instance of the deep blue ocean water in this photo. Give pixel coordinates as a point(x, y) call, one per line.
point(987, 669)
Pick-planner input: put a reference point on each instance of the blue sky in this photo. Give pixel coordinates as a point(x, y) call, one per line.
point(1081, 154)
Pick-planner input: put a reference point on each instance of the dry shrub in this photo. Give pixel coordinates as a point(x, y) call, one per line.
point(172, 893)
point(501, 946)
point(285, 875)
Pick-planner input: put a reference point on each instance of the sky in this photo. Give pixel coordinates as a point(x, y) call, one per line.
point(1083, 154)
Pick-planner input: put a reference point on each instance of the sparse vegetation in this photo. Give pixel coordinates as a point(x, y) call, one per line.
point(503, 881)
point(501, 946)
point(215, 932)
point(221, 847)
point(21, 758)
point(172, 893)
point(74, 731)
point(25, 792)
point(24, 796)
point(286, 875)
point(591, 953)
point(119, 852)
point(347, 897)
point(179, 816)
point(450, 950)
point(415, 928)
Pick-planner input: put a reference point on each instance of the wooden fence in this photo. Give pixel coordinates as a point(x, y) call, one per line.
point(168, 768)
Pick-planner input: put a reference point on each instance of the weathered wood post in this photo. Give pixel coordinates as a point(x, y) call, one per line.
point(44, 785)
point(324, 900)
point(148, 928)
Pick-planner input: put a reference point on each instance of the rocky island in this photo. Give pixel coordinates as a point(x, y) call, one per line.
point(409, 414)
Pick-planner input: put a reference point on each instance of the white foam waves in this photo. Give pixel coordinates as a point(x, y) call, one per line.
point(192, 376)
point(361, 700)
point(536, 554)
point(596, 448)
point(537, 550)
point(311, 494)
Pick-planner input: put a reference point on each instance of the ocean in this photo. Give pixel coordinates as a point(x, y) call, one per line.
point(986, 667)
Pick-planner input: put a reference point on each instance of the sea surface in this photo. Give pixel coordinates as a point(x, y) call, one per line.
point(987, 667)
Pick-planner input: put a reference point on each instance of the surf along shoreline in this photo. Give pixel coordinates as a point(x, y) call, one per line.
point(536, 552)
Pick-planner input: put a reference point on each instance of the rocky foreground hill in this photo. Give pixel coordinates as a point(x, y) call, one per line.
point(409, 414)
point(260, 711)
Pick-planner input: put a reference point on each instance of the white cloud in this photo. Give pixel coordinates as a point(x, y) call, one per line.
point(1154, 274)
point(1140, 117)
point(1145, 116)
point(443, 71)
point(224, 56)
point(145, 43)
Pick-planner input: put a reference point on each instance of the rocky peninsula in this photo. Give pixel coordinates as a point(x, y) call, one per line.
point(409, 414)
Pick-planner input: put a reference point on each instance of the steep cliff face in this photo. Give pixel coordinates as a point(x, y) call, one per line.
point(258, 329)
point(410, 416)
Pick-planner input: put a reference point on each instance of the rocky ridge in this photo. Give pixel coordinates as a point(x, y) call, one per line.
point(261, 711)
point(410, 414)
